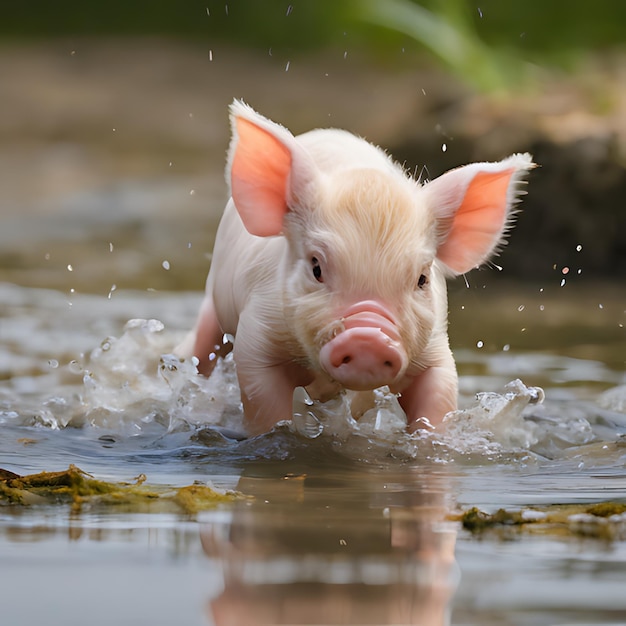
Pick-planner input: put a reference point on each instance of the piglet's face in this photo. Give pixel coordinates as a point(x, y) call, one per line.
point(369, 248)
point(362, 266)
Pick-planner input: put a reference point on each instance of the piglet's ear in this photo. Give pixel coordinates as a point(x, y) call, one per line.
point(474, 206)
point(265, 163)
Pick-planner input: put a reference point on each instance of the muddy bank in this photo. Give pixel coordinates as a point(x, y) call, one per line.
point(122, 142)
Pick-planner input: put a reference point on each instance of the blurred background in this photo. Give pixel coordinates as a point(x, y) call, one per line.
point(113, 124)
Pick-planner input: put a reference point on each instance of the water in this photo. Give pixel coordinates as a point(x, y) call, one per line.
point(351, 523)
point(348, 523)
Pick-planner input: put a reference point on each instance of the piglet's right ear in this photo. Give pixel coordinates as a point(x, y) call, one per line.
point(266, 168)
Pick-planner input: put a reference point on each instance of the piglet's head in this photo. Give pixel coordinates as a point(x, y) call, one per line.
point(369, 248)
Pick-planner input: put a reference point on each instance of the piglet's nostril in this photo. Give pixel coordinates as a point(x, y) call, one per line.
point(388, 364)
point(346, 359)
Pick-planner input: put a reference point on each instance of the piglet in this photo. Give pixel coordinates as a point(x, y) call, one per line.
point(329, 268)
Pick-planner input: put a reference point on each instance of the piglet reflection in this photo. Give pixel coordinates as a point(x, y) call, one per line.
point(326, 551)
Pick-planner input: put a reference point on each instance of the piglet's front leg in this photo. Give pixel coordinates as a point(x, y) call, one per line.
point(266, 379)
point(431, 394)
point(267, 393)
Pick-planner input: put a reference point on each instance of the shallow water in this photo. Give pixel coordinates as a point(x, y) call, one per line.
point(113, 181)
point(350, 522)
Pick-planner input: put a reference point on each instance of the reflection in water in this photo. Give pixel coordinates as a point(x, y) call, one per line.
point(326, 551)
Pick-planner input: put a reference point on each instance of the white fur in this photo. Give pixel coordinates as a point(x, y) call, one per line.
point(374, 231)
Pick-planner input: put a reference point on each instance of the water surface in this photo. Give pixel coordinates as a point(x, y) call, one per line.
point(349, 523)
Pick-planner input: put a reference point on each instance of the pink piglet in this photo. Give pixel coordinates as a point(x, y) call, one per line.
point(330, 263)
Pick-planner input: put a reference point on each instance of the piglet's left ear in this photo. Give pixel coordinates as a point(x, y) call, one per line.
point(473, 207)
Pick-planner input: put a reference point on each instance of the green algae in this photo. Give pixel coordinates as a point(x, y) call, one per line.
point(476, 520)
point(601, 520)
point(81, 491)
point(606, 509)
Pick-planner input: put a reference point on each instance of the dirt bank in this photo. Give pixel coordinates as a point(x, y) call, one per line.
point(133, 133)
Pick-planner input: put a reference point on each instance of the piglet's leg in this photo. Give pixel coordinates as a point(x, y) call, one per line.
point(431, 394)
point(207, 338)
point(267, 393)
point(267, 376)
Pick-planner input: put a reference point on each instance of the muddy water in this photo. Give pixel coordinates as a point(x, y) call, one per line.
point(350, 523)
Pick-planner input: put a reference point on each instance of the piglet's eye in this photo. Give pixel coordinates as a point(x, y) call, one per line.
point(317, 270)
point(422, 281)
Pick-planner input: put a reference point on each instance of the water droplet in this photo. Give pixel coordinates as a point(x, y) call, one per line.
point(165, 265)
point(538, 395)
point(563, 283)
point(506, 347)
point(75, 367)
point(579, 248)
point(287, 66)
point(114, 129)
point(565, 271)
point(210, 55)
point(600, 306)
point(541, 307)
point(53, 363)
point(307, 424)
point(444, 147)
point(110, 246)
point(521, 307)
point(208, 12)
point(192, 192)
point(70, 268)
point(289, 10)
point(479, 344)
point(345, 54)
point(46, 256)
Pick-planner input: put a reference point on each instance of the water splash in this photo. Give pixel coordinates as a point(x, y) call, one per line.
point(133, 381)
point(134, 384)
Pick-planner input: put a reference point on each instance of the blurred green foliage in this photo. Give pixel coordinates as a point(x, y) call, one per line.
point(485, 41)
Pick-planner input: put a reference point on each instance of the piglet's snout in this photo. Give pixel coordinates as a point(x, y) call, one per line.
point(368, 353)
